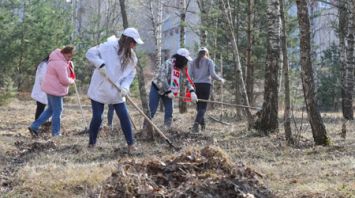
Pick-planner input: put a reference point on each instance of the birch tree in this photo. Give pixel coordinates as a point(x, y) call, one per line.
point(238, 68)
point(318, 129)
point(155, 16)
point(183, 9)
point(269, 114)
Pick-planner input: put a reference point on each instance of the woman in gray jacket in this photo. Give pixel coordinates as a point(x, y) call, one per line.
point(202, 71)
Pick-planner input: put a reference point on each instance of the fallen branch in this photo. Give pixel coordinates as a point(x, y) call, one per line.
point(220, 121)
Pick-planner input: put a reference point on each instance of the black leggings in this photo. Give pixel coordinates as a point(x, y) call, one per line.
point(203, 91)
point(39, 109)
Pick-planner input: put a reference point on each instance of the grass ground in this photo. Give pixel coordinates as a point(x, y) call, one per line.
point(65, 167)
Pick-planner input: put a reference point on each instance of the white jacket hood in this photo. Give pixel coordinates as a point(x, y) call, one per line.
point(37, 93)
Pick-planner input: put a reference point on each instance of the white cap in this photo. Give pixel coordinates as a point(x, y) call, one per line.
point(185, 53)
point(133, 33)
point(203, 49)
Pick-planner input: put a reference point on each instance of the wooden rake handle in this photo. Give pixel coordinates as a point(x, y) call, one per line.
point(145, 116)
point(222, 103)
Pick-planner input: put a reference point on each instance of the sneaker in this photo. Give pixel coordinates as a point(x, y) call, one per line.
point(203, 127)
point(57, 135)
point(195, 128)
point(33, 132)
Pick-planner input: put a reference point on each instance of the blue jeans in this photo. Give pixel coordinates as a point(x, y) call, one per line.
point(122, 113)
point(110, 114)
point(154, 98)
point(54, 110)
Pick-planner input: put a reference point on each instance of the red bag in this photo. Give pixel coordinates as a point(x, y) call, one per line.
point(187, 92)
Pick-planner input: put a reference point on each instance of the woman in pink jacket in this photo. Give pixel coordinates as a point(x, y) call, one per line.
point(56, 85)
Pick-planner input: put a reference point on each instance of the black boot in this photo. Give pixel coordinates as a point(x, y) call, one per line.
point(203, 127)
point(195, 128)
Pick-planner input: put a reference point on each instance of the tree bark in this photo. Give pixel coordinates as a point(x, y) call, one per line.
point(269, 114)
point(343, 21)
point(156, 18)
point(182, 104)
point(287, 111)
point(238, 68)
point(124, 14)
point(318, 129)
point(98, 25)
point(250, 66)
point(349, 69)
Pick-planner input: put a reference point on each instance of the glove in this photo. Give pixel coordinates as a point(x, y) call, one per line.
point(102, 70)
point(194, 97)
point(170, 95)
point(124, 92)
point(223, 81)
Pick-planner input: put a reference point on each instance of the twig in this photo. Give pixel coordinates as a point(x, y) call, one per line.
point(220, 121)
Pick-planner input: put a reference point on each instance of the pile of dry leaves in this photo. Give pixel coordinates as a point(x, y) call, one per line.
point(206, 172)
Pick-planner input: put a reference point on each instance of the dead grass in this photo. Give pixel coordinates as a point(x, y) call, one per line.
point(70, 169)
point(60, 180)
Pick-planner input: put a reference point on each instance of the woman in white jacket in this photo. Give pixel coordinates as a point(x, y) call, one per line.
point(37, 94)
point(116, 60)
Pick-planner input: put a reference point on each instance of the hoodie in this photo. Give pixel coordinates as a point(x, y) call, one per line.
point(56, 81)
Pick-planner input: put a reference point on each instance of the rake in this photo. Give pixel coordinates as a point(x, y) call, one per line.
point(145, 116)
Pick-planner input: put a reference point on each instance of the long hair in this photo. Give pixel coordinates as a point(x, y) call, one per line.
point(200, 55)
point(125, 52)
point(180, 61)
point(45, 59)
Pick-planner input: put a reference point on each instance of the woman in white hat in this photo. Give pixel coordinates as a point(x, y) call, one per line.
point(202, 70)
point(166, 84)
point(114, 60)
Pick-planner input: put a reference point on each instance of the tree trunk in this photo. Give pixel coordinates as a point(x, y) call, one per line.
point(269, 114)
point(158, 33)
point(182, 104)
point(98, 25)
point(250, 66)
point(148, 133)
point(156, 20)
point(349, 69)
point(318, 129)
point(287, 111)
point(124, 14)
point(343, 21)
point(204, 20)
point(238, 67)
